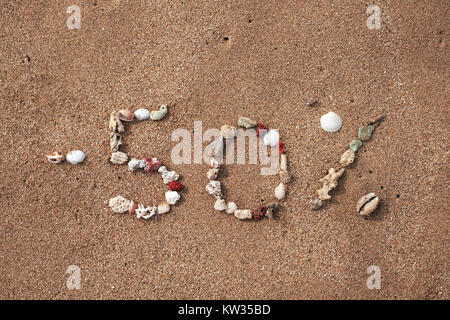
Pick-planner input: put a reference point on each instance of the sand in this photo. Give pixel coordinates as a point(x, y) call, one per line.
point(58, 87)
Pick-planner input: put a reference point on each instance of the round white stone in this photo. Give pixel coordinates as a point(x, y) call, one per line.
point(142, 114)
point(75, 157)
point(331, 122)
point(231, 207)
point(271, 138)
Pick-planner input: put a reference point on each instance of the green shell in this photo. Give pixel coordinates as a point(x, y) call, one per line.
point(158, 115)
point(355, 145)
point(364, 133)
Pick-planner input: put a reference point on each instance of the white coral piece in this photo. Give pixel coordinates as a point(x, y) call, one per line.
point(172, 197)
point(169, 176)
point(119, 204)
point(220, 205)
point(145, 212)
point(214, 189)
point(135, 164)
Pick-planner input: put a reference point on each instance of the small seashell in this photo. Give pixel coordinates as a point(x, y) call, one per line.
point(272, 211)
point(316, 204)
point(243, 214)
point(331, 122)
point(133, 207)
point(228, 132)
point(355, 145)
point(115, 124)
point(280, 191)
point(220, 205)
point(247, 123)
point(125, 115)
point(158, 115)
point(163, 208)
point(135, 164)
point(55, 157)
point(347, 158)
point(76, 157)
point(119, 204)
point(115, 141)
point(169, 176)
point(214, 189)
point(271, 138)
point(285, 176)
point(172, 197)
point(119, 157)
point(142, 114)
point(365, 132)
point(367, 204)
point(145, 212)
point(231, 207)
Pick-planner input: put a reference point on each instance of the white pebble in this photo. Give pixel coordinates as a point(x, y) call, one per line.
point(280, 191)
point(142, 114)
point(331, 122)
point(243, 214)
point(163, 208)
point(76, 157)
point(220, 205)
point(271, 138)
point(231, 207)
point(172, 197)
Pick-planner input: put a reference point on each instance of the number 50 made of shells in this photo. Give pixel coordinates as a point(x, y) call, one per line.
point(270, 138)
point(120, 204)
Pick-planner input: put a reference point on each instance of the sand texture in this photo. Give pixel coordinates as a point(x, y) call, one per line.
point(216, 60)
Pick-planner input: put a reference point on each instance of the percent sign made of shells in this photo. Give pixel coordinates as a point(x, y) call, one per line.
point(119, 204)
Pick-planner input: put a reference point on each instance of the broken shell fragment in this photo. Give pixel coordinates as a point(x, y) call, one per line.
point(158, 115)
point(247, 123)
point(316, 204)
point(115, 124)
point(228, 132)
point(55, 157)
point(355, 145)
point(329, 183)
point(133, 207)
point(119, 204)
point(163, 208)
point(271, 138)
point(76, 157)
point(142, 114)
point(331, 122)
point(214, 189)
point(119, 157)
point(115, 141)
point(365, 132)
point(367, 204)
point(347, 158)
point(231, 207)
point(220, 205)
point(125, 115)
point(172, 197)
point(243, 214)
point(280, 191)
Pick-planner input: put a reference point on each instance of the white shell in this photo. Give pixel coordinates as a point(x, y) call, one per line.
point(163, 208)
point(220, 205)
point(243, 214)
point(172, 197)
point(231, 207)
point(76, 157)
point(142, 114)
point(331, 122)
point(271, 138)
point(280, 191)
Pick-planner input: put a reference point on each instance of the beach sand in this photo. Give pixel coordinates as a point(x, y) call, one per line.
point(215, 61)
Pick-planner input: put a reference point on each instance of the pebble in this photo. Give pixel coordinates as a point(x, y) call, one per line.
point(220, 205)
point(355, 145)
point(172, 197)
point(228, 132)
point(158, 115)
point(125, 115)
point(271, 138)
point(365, 132)
point(347, 158)
point(367, 204)
point(163, 208)
point(76, 157)
point(214, 189)
point(331, 122)
point(280, 191)
point(119, 157)
point(247, 123)
point(231, 207)
point(55, 157)
point(243, 214)
point(142, 114)
point(316, 204)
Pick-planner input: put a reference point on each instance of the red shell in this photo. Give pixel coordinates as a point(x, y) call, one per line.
point(259, 213)
point(281, 147)
point(260, 128)
point(175, 186)
point(151, 164)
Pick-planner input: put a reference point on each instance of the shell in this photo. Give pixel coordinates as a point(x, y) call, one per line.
point(367, 204)
point(347, 158)
point(145, 212)
point(243, 214)
point(228, 132)
point(115, 141)
point(271, 138)
point(119, 157)
point(220, 205)
point(133, 207)
point(331, 122)
point(247, 123)
point(55, 157)
point(120, 205)
point(115, 124)
point(163, 208)
point(142, 114)
point(231, 207)
point(172, 197)
point(214, 189)
point(125, 115)
point(158, 115)
point(76, 157)
point(135, 164)
point(280, 191)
